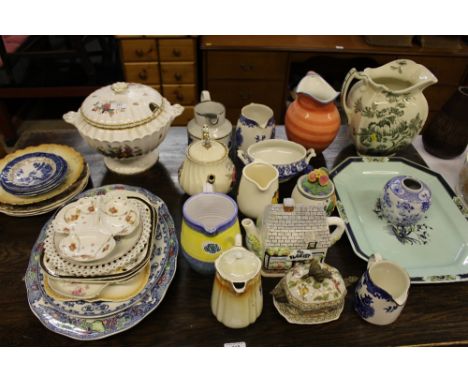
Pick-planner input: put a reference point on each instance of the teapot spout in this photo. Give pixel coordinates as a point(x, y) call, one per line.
point(314, 86)
point(252, 236)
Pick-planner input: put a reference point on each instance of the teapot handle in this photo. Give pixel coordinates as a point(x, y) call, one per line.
point(352, 74)
point(239, 287)
point(338, 231)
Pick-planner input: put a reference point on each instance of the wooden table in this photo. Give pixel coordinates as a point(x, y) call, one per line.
point(434, 315)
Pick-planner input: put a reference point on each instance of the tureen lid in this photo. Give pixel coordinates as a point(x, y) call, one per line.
point(122, 105)
point(207, 150)
point(310, 285)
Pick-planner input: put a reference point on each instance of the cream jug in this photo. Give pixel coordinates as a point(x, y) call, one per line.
point(256, 123)
point(382, 291)
point(237, 298)
point(258, 188)
point(386, 108)
point(212, 114)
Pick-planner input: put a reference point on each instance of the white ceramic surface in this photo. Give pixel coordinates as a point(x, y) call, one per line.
point(316, 87)
point(88, 245)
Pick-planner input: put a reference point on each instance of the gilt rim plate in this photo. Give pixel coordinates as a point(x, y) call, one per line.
point(435, 250)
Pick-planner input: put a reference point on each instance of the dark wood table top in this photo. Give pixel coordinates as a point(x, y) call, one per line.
point(434, 315)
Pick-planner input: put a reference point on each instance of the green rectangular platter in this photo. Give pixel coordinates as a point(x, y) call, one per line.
point(359, 181)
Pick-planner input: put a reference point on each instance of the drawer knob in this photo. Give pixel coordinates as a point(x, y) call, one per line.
point(143, 74)
point(179, 96)
point(139, 52)
point(244, 96)
point(176, 52)
point(247, 67)
point(178, 76)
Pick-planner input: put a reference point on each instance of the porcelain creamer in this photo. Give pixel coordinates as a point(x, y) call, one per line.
point(258, 188)
point(256, 123)
point(237, 298)
point(386, 108)
point(382, 291)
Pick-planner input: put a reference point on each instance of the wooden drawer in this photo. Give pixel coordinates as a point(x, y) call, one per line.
point(139, 50)
point(248, 65)
point(178, 72)
point(157, 87)
point(183, 94)
point(185, 117)
point(177, 49)
point(237, 94)
point(144, 73)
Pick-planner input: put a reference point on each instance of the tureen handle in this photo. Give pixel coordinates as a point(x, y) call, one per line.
point(243, 157)
point(70, 117)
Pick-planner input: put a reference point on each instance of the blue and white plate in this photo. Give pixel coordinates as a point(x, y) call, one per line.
point(101, 320)
point(33, 173)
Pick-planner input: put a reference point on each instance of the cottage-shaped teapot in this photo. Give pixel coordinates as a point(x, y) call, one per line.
point(287, 233)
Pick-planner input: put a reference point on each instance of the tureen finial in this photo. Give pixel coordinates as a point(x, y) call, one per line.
point(119, 87)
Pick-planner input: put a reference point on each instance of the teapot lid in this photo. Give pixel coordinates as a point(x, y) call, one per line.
point(207, 150)
point(238, 265)
point(122, 105)
point(309, 285)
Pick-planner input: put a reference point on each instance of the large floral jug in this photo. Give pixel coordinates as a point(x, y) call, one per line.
point(386, 108)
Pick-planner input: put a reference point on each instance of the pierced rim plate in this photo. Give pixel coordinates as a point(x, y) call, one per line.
point(97, 328)
point(33, 173)
point(432, 251)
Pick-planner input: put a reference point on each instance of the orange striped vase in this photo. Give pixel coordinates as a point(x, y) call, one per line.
point(311, 123)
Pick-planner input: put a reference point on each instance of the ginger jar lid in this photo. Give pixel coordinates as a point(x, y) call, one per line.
point(308, 286)
point(238, 265)
point(122, 105)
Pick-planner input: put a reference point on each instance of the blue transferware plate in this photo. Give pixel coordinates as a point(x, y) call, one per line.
point(434, 250)
point(94, 327)
point(33, 173)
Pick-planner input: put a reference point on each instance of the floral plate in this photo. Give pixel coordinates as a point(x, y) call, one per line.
point(94, 328)
point(434, 250)
point(33, 173)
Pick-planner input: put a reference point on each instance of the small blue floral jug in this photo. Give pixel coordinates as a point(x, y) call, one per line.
point(382, 291)
point(256, 123)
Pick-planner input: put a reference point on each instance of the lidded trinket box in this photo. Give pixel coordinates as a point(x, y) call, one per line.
point(310, 293)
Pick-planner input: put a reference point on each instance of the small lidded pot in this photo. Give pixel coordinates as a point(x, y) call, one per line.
point(125, 122)
point(316, 188)
point(405, 200)
point(310, 293)
point(207, 161)
point(237, 298)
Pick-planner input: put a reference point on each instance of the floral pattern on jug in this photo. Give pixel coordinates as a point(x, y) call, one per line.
point(386, 108)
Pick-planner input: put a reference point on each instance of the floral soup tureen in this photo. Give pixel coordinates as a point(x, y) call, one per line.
point(125, 122)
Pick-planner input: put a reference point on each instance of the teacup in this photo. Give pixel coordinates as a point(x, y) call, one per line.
point(405, 200)
point(382, 291)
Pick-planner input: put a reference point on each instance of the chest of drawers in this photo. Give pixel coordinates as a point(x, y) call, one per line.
point(168, 64)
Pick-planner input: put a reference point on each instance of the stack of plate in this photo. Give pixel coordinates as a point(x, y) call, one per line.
point(102, 263)
point(38, 179)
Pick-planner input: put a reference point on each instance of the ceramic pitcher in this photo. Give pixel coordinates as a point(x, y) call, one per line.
point(313, 120)
point(386, 108)
point(237, 299)
point(212, 114)
point(382, 291)
point(258, 188)
point(256, 123)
